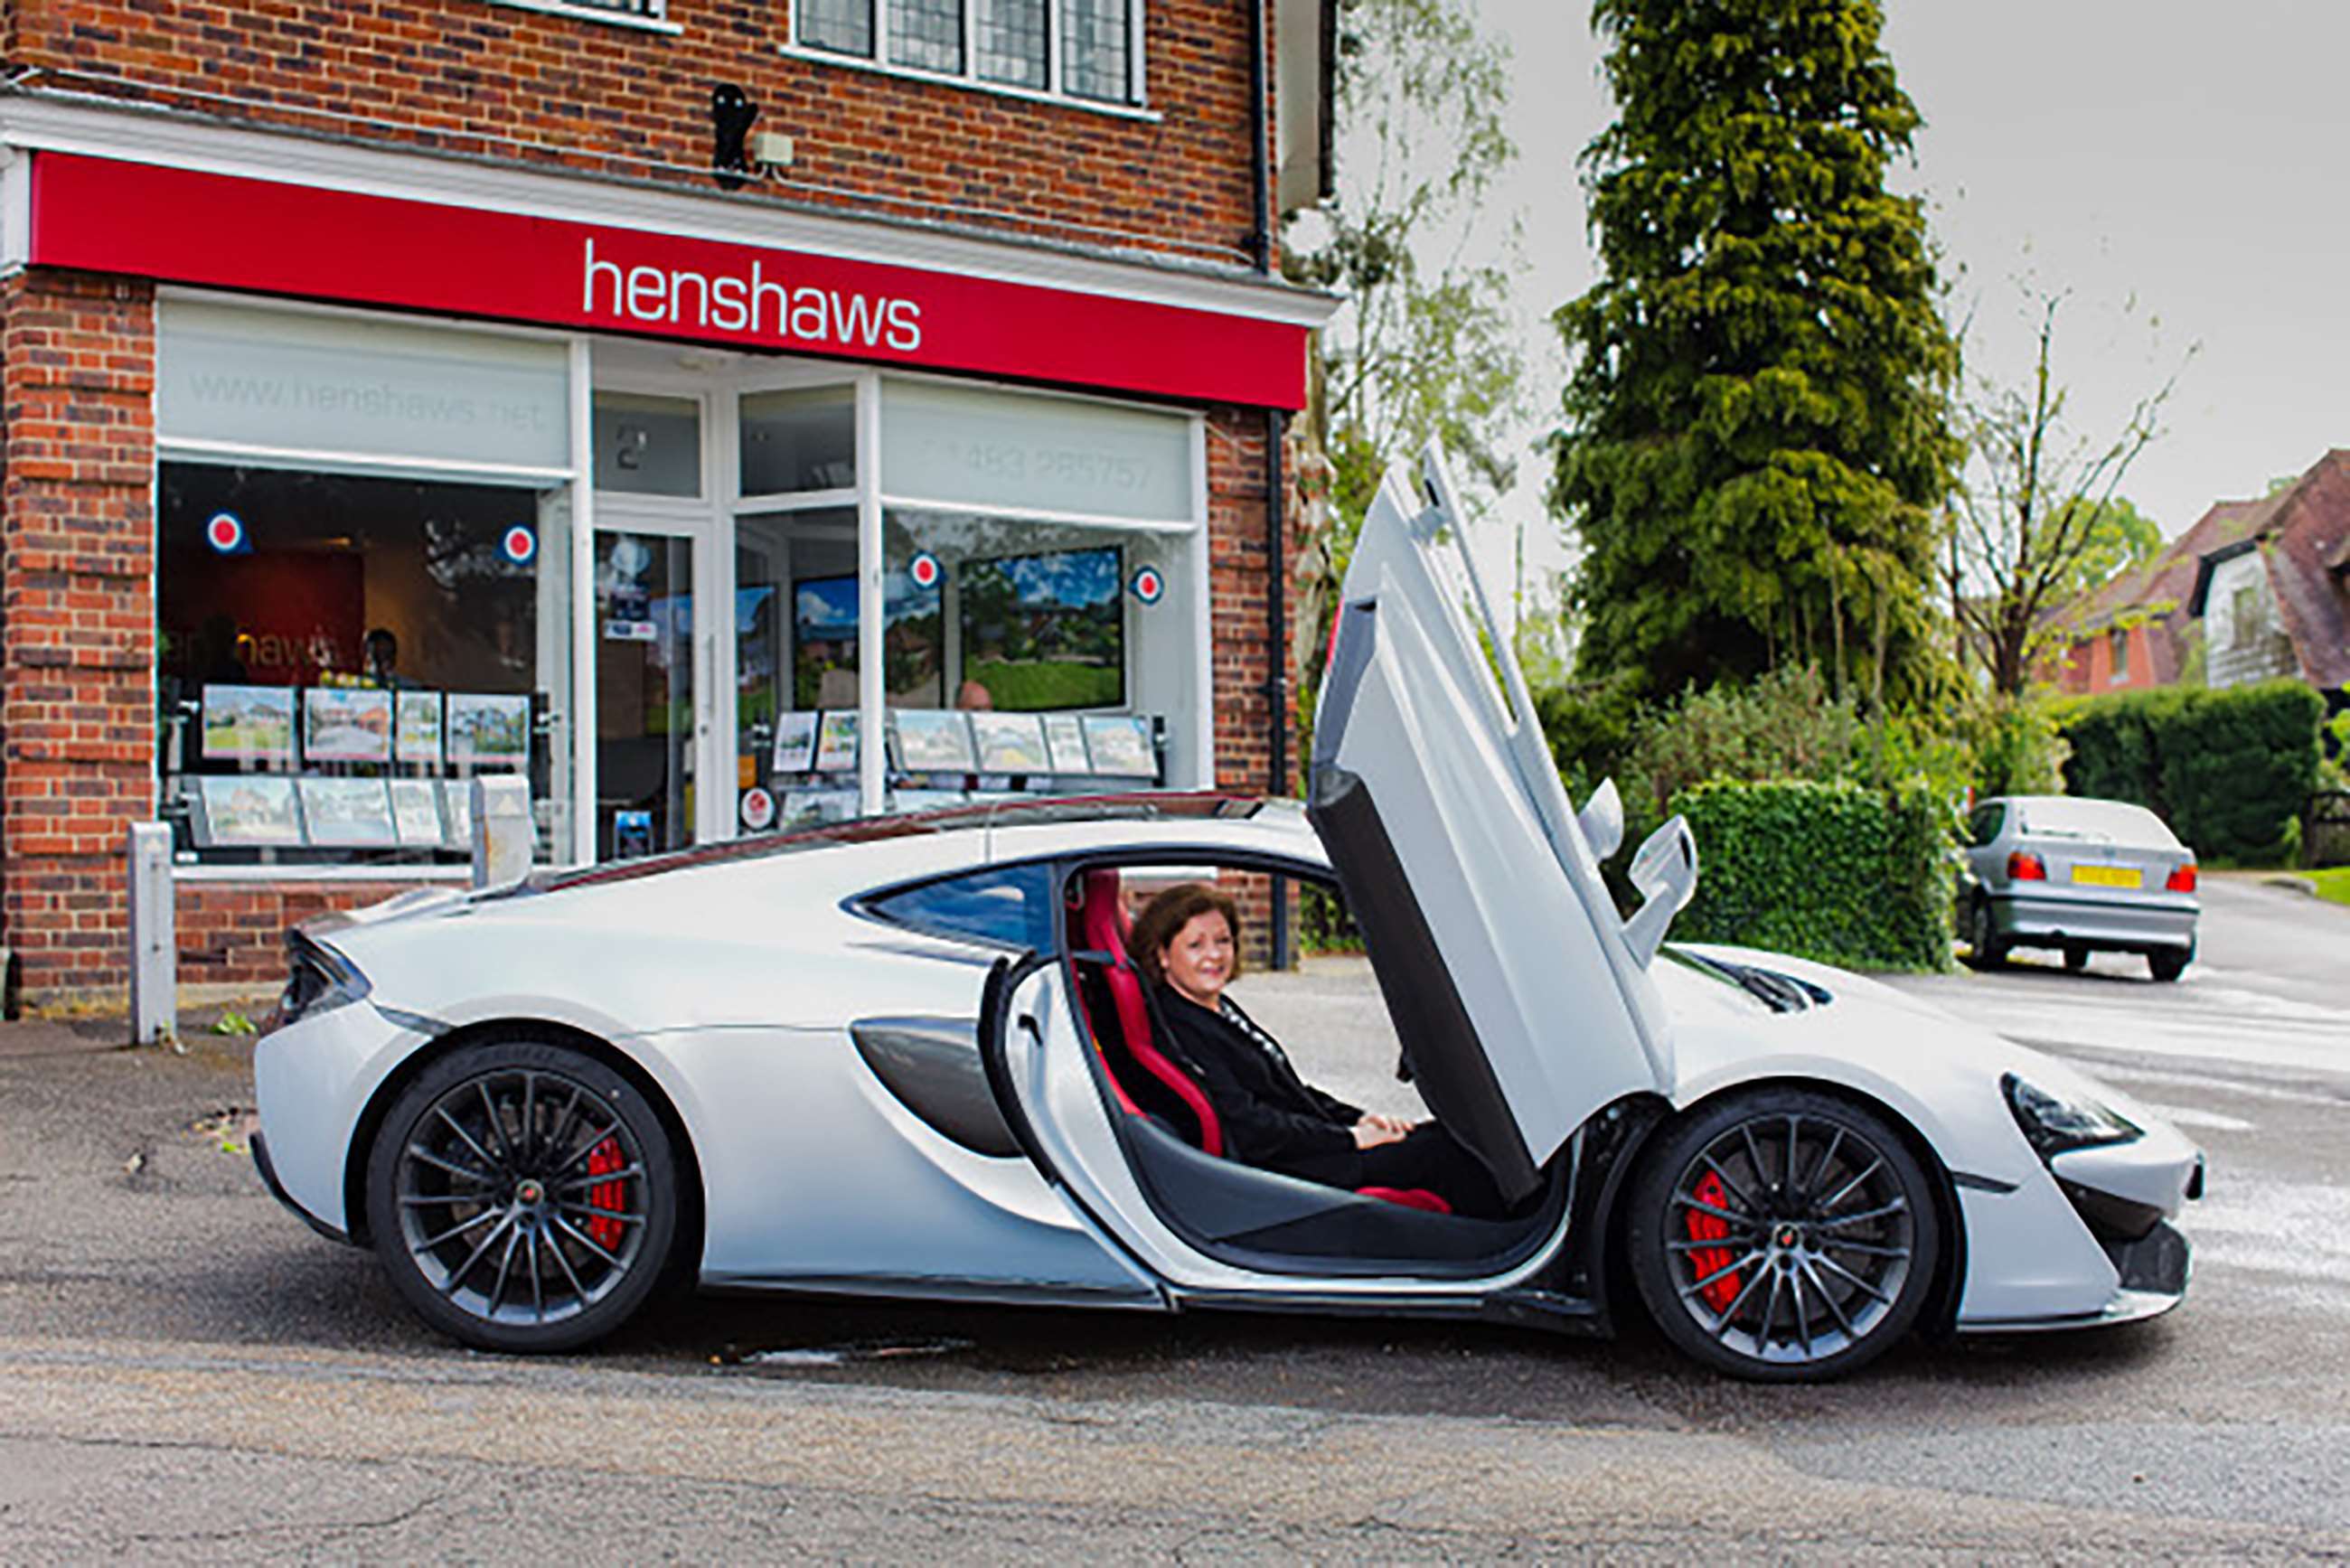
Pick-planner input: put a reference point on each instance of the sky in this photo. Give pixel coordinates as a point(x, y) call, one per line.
point(2171, 166)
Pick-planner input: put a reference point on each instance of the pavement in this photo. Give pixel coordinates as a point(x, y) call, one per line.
point(188, 1373)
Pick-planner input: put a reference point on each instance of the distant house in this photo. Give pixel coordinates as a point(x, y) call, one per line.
point(2255, 590)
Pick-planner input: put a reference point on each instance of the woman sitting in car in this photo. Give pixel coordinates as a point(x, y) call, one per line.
point(1186, 945)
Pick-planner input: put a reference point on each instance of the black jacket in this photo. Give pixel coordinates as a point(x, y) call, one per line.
point(1272, 1117)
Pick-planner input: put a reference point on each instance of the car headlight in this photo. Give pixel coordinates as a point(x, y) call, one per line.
point(319, 979)
point(2053, 1124)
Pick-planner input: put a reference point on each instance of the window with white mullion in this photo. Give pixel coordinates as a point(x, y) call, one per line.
point(925, 35)
point(841, 26)
point(1014, 42)
point(1097, 43)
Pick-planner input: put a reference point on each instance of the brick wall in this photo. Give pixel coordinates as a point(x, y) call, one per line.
point(233, 934)
point(76, 659)
point(483, 79)
point(1237, 568)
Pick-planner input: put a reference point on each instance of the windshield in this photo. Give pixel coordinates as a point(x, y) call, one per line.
point(2103, 821)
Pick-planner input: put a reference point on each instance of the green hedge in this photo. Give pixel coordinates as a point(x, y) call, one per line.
point(1828, 871)
point(2230, 770)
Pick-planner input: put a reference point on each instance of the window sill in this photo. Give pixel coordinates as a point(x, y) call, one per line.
point(968, 84)
point(593, 13)
point(418, 872)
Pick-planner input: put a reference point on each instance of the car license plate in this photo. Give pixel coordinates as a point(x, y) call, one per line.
point(2108, 876)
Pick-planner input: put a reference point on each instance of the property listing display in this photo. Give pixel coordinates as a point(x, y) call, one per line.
point(938, 758)
point(281, 797)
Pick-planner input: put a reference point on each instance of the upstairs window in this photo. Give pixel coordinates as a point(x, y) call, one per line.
point(2118, 649)
point(1083, 49)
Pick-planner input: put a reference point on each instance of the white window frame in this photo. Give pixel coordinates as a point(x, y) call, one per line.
point(654, 19)
point(1138, 79)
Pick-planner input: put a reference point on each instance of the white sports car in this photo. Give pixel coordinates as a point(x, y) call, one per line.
point(903, 1057)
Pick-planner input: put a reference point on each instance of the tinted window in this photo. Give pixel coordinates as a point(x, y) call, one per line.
point(1986, 823)
point(1008, 905)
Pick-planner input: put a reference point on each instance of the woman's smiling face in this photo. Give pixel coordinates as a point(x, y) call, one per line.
point(1198, 960)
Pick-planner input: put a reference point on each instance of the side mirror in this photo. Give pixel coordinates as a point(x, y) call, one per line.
point(1602, 820)
point(1665, 871)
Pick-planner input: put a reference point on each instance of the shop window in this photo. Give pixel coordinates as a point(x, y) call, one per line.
point(648, 445)
point(338, 656)
point(1045, 631)
point(794, 441)
point(823, 643)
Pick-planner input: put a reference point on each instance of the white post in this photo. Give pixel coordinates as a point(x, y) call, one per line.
point(503, 831)
point(154, 947)
point(871, 638)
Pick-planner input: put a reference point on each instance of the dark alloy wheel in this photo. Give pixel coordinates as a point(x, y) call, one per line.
point(521, 1196)
point(1982, 937)
point(1782, 1235)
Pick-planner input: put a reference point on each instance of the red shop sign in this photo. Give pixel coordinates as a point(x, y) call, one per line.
point(226, 231)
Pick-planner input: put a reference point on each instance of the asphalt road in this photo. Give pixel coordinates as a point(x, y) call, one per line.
point(188, 1373)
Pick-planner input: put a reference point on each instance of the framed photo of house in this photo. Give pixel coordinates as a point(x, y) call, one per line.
point(489, 728)
point(416, 729)
point(836, 742)
point(249, 724)
point(1010, 743)
point(795, 742)
point(1064, 737)
point(347, 813)
point(933, 740)
point(345, 725)
point(1119, 745)
point(416, 814)
point(240, 811)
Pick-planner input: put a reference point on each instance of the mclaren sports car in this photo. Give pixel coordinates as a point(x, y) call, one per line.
point(910, 1057)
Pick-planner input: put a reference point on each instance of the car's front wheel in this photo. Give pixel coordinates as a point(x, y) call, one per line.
point(521, 1196)
point(1783, 1234)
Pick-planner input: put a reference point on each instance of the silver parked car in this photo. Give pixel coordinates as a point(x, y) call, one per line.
point(2079, 876)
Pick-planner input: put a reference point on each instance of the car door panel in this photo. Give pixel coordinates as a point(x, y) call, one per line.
point(1500, 956)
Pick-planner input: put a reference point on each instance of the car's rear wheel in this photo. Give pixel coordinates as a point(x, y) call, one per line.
point(2076, 959)
point(521, 1196)
point(1982, 937)
point(1782, 1235)
point(2168, 964)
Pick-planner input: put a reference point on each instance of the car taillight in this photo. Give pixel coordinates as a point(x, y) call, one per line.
point(2183, 880)
point(2025, 867)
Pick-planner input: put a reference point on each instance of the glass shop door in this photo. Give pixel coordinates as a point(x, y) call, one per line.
point(652, 682)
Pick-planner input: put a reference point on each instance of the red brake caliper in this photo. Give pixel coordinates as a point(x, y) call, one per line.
point(609, 1196)
point(1704, 1227)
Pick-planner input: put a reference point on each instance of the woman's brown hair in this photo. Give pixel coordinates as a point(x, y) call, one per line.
point(1168, 914)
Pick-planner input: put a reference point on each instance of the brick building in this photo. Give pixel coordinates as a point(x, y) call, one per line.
point(387, 381)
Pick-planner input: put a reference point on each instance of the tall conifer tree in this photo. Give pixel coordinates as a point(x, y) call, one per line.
point(1757, 439)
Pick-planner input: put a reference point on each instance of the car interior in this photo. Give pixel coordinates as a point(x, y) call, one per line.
point(1257, 1219)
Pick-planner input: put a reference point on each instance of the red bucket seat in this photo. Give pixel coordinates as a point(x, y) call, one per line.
point(1103, 928)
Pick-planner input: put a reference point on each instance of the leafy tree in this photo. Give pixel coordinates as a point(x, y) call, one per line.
point(2038, 521)
point(1756, 437)
point(1424, 345)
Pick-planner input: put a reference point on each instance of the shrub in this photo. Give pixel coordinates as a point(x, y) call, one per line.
point(2230, 770)
point(2017, 748)
point(1827, 871)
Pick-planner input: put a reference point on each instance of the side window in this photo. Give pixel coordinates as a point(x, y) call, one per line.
point(1011, 906)
point(1985, 826)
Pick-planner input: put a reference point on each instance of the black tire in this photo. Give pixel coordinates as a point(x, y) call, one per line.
point(2076, 959)
point(1847, 1234)
point(2168, 964)
point(1985, 950)
point(523, 1197)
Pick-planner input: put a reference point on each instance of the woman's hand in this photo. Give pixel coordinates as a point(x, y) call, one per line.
point(1375, 1130)
point(1396, 1125)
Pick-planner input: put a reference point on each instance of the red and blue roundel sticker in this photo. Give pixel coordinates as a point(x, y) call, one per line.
point(224, 532)
point(520, 545)
point(1150, 586)
point(925, 570)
